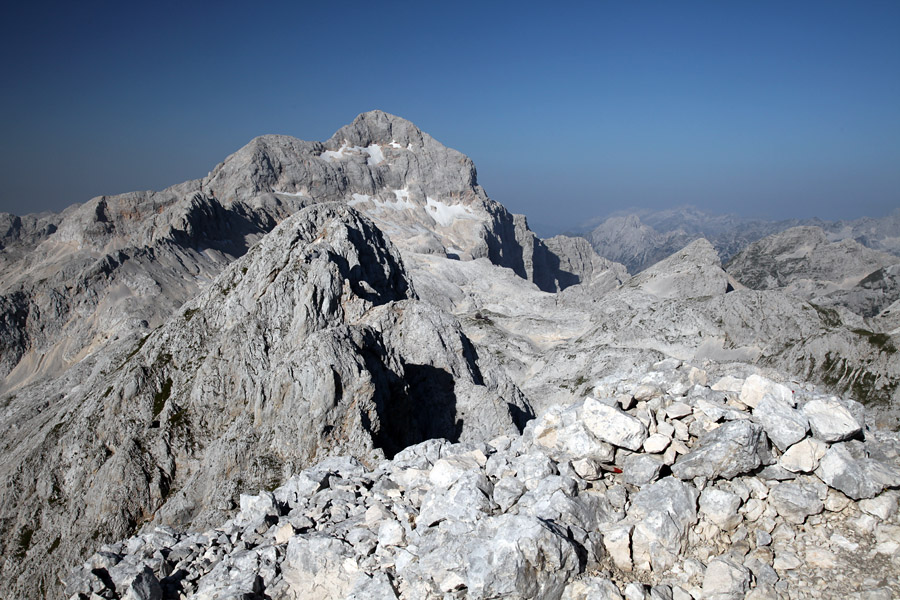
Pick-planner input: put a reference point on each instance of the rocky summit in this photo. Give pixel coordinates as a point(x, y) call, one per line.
point(340, 370)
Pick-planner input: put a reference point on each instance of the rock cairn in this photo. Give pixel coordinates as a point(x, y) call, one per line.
point(670, 484)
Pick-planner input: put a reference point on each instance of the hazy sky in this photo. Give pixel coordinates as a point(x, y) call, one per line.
point(570, 110)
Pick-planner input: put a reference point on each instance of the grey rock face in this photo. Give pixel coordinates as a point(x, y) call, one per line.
point(515, 518)
point(726, 451)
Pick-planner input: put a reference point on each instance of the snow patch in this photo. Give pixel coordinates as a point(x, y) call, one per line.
point(394, 144)
point(296, 194)
point(445, 214)
point(402, 203)
point(375, 155)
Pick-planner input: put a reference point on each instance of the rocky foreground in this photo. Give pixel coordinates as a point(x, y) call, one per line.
point(674, 483)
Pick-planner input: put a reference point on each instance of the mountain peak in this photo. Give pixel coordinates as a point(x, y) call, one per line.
point(379, 127)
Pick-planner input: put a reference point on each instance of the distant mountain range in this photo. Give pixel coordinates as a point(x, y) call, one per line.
point(640, 238)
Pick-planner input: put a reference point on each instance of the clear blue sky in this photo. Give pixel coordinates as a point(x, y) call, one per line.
point(571, 110)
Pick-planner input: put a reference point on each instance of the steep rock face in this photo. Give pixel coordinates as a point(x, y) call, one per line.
point(312, 343)
point(803, 261)
point(580, 264)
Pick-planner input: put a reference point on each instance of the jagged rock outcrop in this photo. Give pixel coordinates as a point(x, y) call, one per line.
point(558, 512)
point(310, 344)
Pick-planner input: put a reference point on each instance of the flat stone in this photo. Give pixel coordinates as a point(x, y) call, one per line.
point(830, 421)
point(677, 410)
point(804, 456)
point(657, 443)
point(784, 425)
point(728, 383)
point(612, 425)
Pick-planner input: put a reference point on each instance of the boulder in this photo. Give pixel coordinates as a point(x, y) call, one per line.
point(830, 420)
point(784, 425)
point(756, 387)
point(727, 451)
point(613, 425)
point(795, 501)
point(662, 513)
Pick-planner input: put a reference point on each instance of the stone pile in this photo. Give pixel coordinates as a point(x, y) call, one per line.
point(667, 485)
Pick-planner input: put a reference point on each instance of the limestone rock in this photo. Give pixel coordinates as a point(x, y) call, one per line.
point(612, 425)
point(662, 513)
point(756, 387)
point(830, 420)
point(795, 501)
point(726, 451)
point(804, 456)
point(782, 424)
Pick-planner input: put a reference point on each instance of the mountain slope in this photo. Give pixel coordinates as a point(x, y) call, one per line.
point(312, 343)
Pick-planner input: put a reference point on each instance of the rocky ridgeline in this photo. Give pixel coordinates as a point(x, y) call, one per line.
point(672, 484)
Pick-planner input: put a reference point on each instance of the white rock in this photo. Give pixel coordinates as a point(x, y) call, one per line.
point(725, 578)
point(592, 588)
point(447, 471)
point(721, 508)
point(657, 443)
point(756, 386)
point(677, 410)
point(728, 384)
point(795, 501)
point(882, 506)
point(284, 533)
point(784, 425)
point(617, 541)
point(804, 456)
point(612, 425)
point(662, 512)
point(391, 533)
point(830, 421)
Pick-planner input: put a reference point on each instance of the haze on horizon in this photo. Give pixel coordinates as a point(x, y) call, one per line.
point(763, 109)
